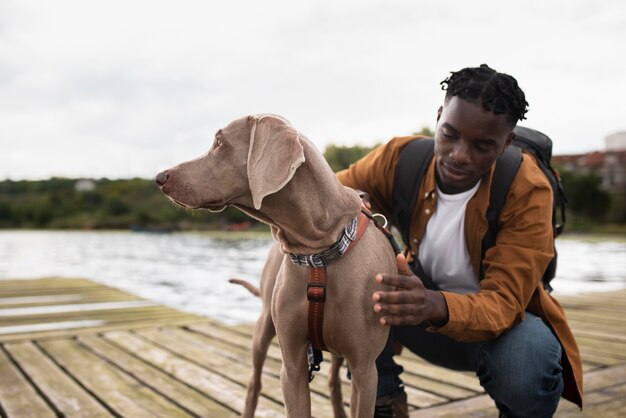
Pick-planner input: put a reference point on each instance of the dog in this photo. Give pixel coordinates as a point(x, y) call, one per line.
point(263, 166)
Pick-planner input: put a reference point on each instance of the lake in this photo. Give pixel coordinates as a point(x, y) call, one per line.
point(190, 271)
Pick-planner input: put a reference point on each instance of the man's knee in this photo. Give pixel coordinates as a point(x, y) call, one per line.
point(537, 397)
point(521, 369)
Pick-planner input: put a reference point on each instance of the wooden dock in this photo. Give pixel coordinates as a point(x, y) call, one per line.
point(76, 348)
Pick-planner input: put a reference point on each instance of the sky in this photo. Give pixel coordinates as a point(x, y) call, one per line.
point(122, 89)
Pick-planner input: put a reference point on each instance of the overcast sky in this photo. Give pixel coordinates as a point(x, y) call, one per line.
point(127, 88)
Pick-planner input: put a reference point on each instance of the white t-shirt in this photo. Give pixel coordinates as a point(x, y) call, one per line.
point(443, 252)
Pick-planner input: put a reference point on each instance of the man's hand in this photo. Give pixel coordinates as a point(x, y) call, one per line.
point(411, 303)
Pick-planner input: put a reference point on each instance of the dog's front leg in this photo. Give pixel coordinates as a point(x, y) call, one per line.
point(334, 386)
point(294, 381)
point(364, 381)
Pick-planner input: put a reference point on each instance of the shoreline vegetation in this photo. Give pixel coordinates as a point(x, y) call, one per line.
point(138, 205)
point(618, 234)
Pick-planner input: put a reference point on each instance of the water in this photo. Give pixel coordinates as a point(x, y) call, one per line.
point(190, 271)
point(187, 271)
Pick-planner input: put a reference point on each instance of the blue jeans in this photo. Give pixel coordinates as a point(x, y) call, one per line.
point(520, 369)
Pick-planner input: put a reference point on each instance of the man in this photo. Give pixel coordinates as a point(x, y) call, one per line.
point(506, 327)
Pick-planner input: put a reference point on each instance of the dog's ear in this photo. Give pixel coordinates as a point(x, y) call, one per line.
point(275, 154)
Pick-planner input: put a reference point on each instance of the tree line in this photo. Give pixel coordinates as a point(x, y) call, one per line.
point(137, 203)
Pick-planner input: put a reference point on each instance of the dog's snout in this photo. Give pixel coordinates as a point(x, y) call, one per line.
point(162, 177)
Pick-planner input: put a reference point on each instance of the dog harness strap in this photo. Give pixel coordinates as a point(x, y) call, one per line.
point(316, 292)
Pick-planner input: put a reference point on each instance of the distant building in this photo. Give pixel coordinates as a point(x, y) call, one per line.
point(609, 165)
point(616, 141)
point(85, 185)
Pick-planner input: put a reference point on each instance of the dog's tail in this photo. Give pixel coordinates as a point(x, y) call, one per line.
point(251, 288)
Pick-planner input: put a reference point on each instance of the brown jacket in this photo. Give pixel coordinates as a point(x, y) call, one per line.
point(513, 267)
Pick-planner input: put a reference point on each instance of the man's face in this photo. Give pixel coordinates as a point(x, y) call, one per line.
point(468, 140)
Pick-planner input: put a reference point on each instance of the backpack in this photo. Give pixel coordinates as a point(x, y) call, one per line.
point(416, 156)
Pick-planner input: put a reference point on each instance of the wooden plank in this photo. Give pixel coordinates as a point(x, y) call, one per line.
point(613, 348)
point(39, 300)
point(599, 335)
point(586, 303)
point(103, 295)
point(608, 403)
point(598, 328)
point(220, 332)
point(590, 367)
point(7, 285)
point(592, 356)
point(123, 394)
point(10, 288)
point(186, 397)
point(110, 326)
point(73, 309)
point(602, 378)
point(619, 294)
point(237, 350)
point(217, 387)
point(18, 398)
point(48, 326)
point(127, 313)
point(419, 398)
point(67, 397)
point(193, 348)
point(608, 318)
point(458, 408)
point(138, 316)
point(605, 392)
point(83, 292)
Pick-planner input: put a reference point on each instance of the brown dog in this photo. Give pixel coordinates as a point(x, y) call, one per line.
point(264, 167)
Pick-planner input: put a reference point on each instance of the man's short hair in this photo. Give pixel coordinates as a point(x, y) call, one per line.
point(495, 92)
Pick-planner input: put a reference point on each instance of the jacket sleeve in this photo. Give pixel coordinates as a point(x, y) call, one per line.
point(374, 173)
point(513, 267)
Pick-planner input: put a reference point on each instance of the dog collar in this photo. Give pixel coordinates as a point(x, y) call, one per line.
point(337, 250)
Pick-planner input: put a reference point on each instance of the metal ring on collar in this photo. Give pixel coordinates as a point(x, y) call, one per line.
point(374, 215)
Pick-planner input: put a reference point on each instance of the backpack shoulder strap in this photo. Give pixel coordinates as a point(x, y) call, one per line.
point(507, 166)
point(410, 170)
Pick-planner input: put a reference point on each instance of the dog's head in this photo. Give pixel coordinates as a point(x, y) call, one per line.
point(251, 158)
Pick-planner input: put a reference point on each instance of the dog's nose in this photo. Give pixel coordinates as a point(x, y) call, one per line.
point(161, 178)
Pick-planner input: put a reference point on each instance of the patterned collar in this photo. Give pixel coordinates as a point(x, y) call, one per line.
point(337, 250)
